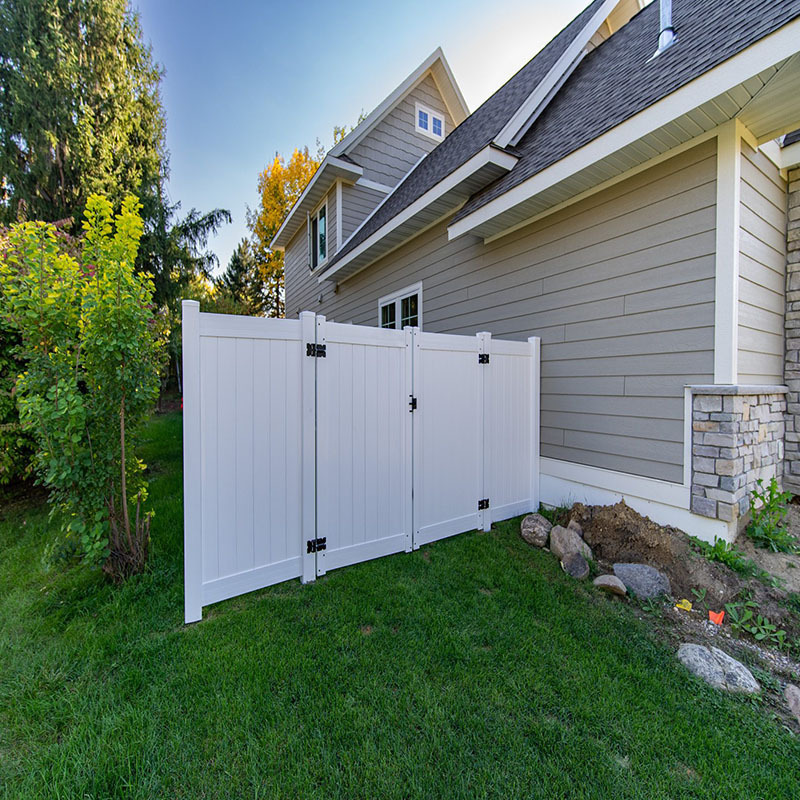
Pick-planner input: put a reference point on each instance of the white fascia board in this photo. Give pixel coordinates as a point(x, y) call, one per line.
point(488, 155)
point(355, 136)
point(790, 156)
point(759, 56)
point(544, 89)
point(329, 164)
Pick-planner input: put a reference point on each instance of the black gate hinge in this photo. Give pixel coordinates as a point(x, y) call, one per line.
point(483, 358)
point(315, 350)
point(483, 504)
point(315, 545)
point(412, 403)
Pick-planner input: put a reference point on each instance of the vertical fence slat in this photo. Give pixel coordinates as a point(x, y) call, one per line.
point(535, 409)
point(308, 324)
point(192, 496)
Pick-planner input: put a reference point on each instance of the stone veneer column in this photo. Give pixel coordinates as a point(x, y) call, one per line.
point(737, 438)
point(791, 477)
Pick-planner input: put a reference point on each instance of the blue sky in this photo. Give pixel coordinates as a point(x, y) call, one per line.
point(246, 79)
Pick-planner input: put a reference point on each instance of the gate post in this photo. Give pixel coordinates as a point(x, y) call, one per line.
point(192, 470)
point(484, 375)
point(308, 416)
point(535, 372)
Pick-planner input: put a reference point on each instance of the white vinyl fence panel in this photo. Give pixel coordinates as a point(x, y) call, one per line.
point(311, 445)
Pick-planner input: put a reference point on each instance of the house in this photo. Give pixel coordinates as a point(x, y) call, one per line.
point(632, 197)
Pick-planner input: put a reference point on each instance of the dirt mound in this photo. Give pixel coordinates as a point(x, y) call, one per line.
point(618, 533)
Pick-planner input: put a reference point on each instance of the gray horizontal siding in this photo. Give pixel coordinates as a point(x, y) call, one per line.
point(619, 286)
point(389, 151)
point(358, 202)
point(762, 269)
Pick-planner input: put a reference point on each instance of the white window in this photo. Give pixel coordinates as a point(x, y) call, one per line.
point(318, 236)
point(428, 122)
point(401, 308)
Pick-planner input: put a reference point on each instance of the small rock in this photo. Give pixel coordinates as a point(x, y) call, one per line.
point(574, 526)
point(564, 541)
point(535, 530)
point(642, 580)
point(792, 694)
point(574, 564)
point(611, 584)
point(717, 668)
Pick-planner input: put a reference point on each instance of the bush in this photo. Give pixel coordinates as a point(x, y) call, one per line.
point(92, 347)
point(16, 445)
point(768, 508)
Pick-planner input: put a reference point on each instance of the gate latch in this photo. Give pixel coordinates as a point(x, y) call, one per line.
point(483, 358)
point(315, 350)
point(412, 403)
point(315, 545)
point(483, 504)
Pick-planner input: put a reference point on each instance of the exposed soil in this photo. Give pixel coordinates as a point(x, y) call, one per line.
point(618, 533)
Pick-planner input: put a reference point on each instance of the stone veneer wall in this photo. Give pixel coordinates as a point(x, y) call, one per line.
point(791, 477)
point(737, 437)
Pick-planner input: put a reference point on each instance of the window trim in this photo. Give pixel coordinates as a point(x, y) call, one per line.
point(311, 217)
point(397, 298)
point(431, 114)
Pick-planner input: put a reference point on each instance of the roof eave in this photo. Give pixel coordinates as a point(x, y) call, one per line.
point(330, 169)
point(522, 203)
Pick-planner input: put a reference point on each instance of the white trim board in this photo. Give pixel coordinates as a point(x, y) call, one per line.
point(759, 56)
point(726, 281)
point(565, 483)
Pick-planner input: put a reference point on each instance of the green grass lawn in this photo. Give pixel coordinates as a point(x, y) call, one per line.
point(472, 668)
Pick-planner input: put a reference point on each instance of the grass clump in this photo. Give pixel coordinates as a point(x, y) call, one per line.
point(727, 554)
point(768, 508)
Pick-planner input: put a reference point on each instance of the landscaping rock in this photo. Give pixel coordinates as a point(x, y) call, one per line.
point(573, 525)
point(610, 584)
point(574, 564)
point(564, 541)
point(792, 694)
point(642, 580)
point(717, 668)
point(535, 530)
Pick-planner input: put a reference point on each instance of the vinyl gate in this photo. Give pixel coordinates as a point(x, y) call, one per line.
point(310, 445)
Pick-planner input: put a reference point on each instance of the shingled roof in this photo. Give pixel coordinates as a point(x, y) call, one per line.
point(612, 83)
point(619, 79)
point(472, 135)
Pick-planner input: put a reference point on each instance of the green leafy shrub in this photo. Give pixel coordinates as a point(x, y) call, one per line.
point(92, 347)
point(768, 508)
point(734, 559)
point(16, 445)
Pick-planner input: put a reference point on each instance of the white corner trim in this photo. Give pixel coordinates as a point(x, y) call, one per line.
point(726, 281)
point(544, 89)
point(488, 155)
point(338, 215)
point(565, 483)
point(754, 59)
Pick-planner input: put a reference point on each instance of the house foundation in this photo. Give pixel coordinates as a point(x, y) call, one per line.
point(737, 439)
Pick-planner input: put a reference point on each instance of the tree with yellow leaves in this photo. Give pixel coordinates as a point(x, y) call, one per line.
point(279, 186)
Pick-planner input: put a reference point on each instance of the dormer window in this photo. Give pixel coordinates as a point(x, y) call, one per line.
point(429, 123)
point(317, 236)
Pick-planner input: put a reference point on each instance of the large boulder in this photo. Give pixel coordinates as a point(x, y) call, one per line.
point(535, 530)
point(564, 541)
point(643, 581)
point(574, 564)
point(611, 584)
point(717, 668)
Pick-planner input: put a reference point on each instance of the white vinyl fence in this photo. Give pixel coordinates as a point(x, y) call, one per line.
point(310, 445)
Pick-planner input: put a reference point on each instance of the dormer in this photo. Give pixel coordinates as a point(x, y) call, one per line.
point(366, 165)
